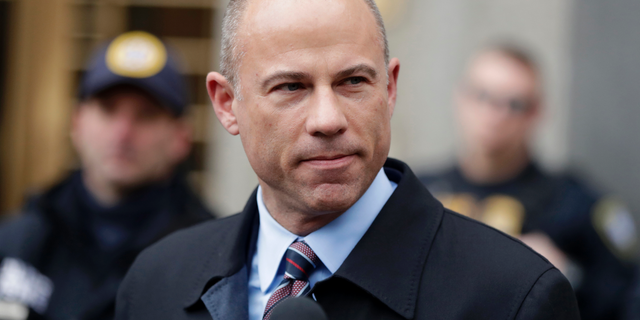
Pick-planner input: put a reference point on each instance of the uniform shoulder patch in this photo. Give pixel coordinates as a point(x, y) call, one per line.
point(616, 226)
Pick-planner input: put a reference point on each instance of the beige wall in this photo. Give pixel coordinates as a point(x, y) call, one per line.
point(432, 39)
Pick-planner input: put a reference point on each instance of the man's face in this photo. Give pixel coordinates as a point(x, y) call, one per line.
point(124, 138)
point(315, 113)
point(498, 104)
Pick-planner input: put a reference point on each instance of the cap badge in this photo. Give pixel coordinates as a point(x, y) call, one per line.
point(136, 54)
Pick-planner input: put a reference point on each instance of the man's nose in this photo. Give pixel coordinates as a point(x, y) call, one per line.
point(500, 112)
point(122, 126)
point(326, 116)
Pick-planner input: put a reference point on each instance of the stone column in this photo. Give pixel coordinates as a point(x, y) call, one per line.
point(34, 130)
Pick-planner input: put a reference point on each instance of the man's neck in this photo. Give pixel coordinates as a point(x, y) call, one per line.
point(106, 194)
point(490, 168)
point(298, 222)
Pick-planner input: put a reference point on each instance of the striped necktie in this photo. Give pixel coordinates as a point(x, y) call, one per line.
point(300, 261)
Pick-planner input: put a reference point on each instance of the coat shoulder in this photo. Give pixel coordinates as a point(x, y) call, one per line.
point(166, 277)
point(188, 244)
point(488, 241)
point(471, 264)
point(476, 247)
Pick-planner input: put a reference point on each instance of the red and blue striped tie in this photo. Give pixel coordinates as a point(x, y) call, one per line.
point(300, 262)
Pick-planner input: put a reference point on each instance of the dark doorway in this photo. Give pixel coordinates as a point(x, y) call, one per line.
point(5, 15)
point(5, 7)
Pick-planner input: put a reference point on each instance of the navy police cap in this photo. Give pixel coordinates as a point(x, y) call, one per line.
point(138, 59)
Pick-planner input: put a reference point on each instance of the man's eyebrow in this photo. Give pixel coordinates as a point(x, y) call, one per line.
point(284, 75)
point(356, 69)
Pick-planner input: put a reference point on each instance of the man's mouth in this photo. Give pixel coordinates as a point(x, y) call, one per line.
point(330, 161)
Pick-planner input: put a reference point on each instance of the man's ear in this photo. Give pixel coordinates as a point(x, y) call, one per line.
point(538, 109)
point(222, 97)
point(535, 115)
point(392, 84)
point(182, 141)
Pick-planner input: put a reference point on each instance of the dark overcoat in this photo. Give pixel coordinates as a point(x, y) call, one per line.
point(416, 261)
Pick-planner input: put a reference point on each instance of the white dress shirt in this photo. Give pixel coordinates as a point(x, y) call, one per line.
point(331, 243)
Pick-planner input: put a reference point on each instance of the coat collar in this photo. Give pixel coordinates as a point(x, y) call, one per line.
point(395, 246)
point(389, 259)
point(232, 248)
point(224, 299)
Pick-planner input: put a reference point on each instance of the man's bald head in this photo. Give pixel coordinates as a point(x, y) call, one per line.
point(318, 97)
point(231, 53)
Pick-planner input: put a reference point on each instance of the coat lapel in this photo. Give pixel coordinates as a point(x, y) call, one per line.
point(228, 298)
point(389, 259)
point(397, 243)
point(223, 272)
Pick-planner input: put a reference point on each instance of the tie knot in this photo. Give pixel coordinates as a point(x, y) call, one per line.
point(300, 261)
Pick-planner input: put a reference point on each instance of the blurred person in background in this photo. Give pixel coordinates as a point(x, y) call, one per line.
point(592, 239)
point(65, 257)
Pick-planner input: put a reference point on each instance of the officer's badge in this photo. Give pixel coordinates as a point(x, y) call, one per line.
point(616, 227)
point(462, 203)
point(504, 213)
point(136, 54)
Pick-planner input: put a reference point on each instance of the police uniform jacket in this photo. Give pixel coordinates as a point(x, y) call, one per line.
point(53, 236)
point(416, 261)
point(596, 233)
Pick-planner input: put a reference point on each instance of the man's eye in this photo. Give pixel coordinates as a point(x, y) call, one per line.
point(354, 80)
point(290, 87)
point(519, 105)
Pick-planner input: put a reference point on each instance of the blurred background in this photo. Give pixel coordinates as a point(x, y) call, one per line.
point(587, 50)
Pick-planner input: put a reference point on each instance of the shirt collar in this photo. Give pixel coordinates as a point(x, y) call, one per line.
point(331, 243)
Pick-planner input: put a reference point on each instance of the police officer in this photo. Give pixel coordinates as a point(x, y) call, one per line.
point(65, 257)
point(591, 238)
